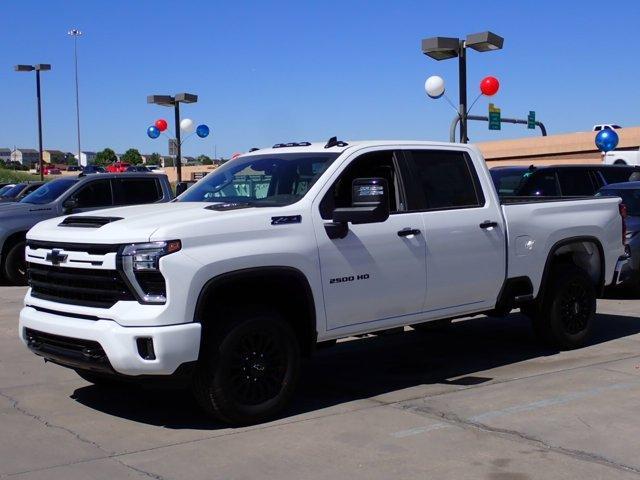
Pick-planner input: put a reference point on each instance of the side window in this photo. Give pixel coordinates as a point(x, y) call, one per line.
point(374, 164)
point(617, 174)
point(95, 194)
point(135, 191)
point(445, 179)
point(575, 183)
point(542, 184)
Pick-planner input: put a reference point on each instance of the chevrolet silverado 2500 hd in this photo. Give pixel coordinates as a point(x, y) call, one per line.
point(286, 247)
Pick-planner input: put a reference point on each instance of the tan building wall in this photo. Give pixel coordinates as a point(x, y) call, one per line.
point(567, 148)
point(187, 172)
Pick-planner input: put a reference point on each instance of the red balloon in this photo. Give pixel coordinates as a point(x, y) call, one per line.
point(161, 124)
point(489, 86)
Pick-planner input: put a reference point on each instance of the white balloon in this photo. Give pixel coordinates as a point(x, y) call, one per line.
point(434, 86)
point(187, 125)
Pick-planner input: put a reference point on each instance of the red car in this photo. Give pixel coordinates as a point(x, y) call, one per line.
point(51, 170)
point(118, 167)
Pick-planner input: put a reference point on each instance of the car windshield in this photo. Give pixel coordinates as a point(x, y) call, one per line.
point(507, 182)
point(49, 191)
point(14, 191)
point(4, 189)
point(630, 197)
point(261, 180)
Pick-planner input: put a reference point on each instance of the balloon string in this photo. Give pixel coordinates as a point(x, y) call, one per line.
point(474, 102)
point(451, 103)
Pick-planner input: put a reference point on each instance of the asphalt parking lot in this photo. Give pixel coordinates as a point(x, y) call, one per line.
point(480, 399)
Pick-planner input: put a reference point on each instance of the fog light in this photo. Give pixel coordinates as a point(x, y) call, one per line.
point(145, 348)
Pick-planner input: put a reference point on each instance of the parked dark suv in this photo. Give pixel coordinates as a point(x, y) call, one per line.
point(559, 180)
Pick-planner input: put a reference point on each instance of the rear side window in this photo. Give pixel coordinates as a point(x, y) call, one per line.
point(445, 179)
point(541, 184)
point(617, 174)
point(95, 194)
point(575, 183)
point(135, 191)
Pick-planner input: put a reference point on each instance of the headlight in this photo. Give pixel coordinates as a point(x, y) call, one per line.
point(140, 263)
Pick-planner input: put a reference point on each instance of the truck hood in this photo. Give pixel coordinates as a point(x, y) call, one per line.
point(129, 224)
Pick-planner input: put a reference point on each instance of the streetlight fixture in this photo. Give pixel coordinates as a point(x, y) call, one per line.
point(40, 67)
point(175, 101)
point(442, 48)
point(75, 33)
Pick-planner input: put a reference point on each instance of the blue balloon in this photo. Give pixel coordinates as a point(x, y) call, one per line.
point(153, 131)
point(606, 140)
point(202, 131)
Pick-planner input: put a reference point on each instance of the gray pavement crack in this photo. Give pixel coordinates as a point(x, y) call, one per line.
point(516, 435)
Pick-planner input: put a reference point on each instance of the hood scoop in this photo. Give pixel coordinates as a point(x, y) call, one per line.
point(87, 222)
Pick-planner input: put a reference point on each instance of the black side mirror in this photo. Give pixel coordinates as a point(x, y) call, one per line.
point(70, 204)
point(369, 204)
point(181, 187)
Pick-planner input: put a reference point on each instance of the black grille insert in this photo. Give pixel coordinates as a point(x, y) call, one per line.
point(90, 248)
point(71, 352)
point(78, 286)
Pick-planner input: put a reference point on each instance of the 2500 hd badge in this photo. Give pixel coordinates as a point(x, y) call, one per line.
point(350, 278)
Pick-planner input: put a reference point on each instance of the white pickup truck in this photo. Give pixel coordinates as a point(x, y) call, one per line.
point(622, 157)
point(287, 247)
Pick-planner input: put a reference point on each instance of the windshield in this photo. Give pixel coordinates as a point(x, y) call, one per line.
point(630, 197)
point(261, 180)
point(14, 191)
point(507, 182)
point(49, 191)
point(4, 189)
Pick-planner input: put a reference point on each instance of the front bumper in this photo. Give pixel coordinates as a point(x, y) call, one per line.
point(72, 342)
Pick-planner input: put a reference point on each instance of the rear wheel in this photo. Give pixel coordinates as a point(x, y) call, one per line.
point(15, 266)
point(249, 375)
point(566, 316)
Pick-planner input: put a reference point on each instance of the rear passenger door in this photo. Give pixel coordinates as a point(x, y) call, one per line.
point(93, 195)
point(136, 191)
point(464, 232)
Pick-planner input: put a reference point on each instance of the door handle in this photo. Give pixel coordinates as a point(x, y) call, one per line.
point(408, 231)
point(488, 224)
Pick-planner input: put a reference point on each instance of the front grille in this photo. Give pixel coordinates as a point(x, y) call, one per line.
point(78, 286)
point(90, 248)
point(68, 351)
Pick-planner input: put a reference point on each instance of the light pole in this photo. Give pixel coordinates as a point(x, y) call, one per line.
point(75, 33)
point(175, 101)
point(442, 48)
point(40, 67)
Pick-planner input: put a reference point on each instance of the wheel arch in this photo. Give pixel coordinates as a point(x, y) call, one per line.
point(10, 241)
point(565, 250)
point(297, 298)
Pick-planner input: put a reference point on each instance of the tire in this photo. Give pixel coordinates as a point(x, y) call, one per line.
point(15, 266)
point(566, 316)
point(250, 373)
point(619, 162)
point(432, 326)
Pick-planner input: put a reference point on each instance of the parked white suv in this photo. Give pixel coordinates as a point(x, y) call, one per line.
point(285, 247)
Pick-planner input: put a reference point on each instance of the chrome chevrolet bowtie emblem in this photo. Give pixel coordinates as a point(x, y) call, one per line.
point(55, 257)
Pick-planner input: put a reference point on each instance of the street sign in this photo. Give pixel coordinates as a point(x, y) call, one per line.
point(173, 147)
point(531, 120)
point(494, 117)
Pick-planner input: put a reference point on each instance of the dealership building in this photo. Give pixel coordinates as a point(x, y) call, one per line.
point(578, 147)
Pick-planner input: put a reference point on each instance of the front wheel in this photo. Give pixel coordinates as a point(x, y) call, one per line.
point(250, 373)
point(566, 316)
point(15, 266)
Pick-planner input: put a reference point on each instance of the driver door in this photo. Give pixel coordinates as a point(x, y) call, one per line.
point(376, 275)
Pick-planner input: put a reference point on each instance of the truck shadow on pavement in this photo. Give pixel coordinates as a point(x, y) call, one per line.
point(368, 367)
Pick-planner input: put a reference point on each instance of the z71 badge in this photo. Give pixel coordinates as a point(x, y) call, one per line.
point(350, 278)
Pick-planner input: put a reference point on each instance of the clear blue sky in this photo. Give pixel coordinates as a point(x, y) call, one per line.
point(276, 71)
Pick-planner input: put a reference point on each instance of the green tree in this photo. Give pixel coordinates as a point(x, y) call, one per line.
point(169, 162)
point(132, 156)
point(70, 159)
point(204, 160)
point(154, 159)
point(105, 157)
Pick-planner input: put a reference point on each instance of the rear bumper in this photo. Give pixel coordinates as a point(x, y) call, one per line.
point(624, 270)
point(103, 346)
